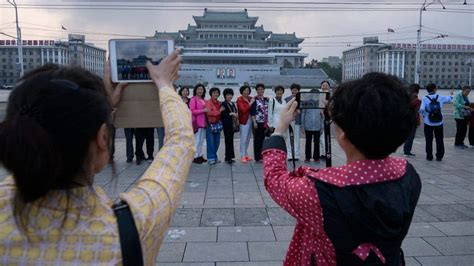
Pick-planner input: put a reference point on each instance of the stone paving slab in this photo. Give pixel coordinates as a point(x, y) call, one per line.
point(235, 222)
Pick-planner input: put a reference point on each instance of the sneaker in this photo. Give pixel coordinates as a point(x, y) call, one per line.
point(409, 154)
point(150, 159)
point(243, 160)
point(139, 161)
point(211, 162)
point(429, 158)
point(465, 146)
point(439, 159)
point(218, 161)
point(197, 160)
point(129, 160)
point(229, 161)
point(248, 158)
point(202, 159)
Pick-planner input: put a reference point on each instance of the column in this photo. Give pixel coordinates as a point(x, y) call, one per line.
point(403, 65)
point(393, 64)
point(398, 65)
point(386, 62)
point(42, 56)
point(47, 55)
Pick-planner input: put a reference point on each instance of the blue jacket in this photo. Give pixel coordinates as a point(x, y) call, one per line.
point(426, 102)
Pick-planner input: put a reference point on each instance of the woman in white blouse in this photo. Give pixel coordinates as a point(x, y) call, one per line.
point(275, 106)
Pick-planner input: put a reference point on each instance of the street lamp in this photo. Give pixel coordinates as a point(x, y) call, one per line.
point(418, 39)
point(18, 38)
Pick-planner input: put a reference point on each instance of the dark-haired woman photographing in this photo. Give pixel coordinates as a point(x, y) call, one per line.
point(358, 213)
point(50, 211)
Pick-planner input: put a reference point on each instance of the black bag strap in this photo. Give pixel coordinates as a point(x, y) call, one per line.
point(129, 240)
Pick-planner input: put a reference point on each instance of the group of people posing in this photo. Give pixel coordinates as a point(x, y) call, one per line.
point(257, 115)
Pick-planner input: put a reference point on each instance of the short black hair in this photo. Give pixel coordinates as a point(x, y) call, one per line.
point(213, 89)
point(414, 88)
point(295, 86)
point(244, 88)
point(465, 87)
point(374, 112)
point(279, 87)
point(180, 92)
point(196, 87)
point(325, 81)
point(228, 91)
point(431, 87)
point(259, 85)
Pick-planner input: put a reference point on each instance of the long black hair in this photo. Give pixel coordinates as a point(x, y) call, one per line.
point(53, 114)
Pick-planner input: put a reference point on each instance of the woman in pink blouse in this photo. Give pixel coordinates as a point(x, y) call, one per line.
point(197, 104)
point(358, 213)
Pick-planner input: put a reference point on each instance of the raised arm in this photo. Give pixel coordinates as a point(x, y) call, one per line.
point(155, 196)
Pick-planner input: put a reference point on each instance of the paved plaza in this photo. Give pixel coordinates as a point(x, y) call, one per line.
point(226, 217)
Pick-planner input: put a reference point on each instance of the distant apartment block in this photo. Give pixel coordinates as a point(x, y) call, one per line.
point(442, 64)
point(333, 61)
point(37, 53)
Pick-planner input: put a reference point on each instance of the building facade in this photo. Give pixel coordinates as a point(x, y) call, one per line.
point(359, 61)
point(446, 65)
point(333, 61)
point(229, 49)
point(37, 53)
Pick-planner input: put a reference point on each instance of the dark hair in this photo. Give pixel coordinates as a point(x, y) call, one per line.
point(279, 87)
point(413, 89)
point(213, 90)
point(465, 87)
point(259, 85)
point(196, 87)
point(431, 87)
point(53, 114)
point(180, 92)
point(374, 112)
point(244, 88)
point(325, 81)
point(295, 86)
point(228, 91)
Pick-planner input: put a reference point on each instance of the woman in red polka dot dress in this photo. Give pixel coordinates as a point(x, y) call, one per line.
point(358, 213)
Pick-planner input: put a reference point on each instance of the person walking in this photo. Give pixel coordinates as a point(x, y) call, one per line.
point(471, 126)
point(312, 126)
point(430, 108)
point(197, 104)
point(230, 124)
point(259, 115)
point(52, 213)
point(213, 131)
point(413, 90)
point(295, 88)
point(462, 115)
point(244, 101)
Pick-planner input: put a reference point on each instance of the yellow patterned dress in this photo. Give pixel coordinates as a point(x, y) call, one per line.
point(89, 234)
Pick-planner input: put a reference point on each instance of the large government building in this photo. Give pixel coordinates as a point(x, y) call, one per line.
point(228, 49)
point(446, 65)
point(37, 53)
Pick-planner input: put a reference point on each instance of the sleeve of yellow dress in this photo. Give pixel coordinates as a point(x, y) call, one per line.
point(155, 196)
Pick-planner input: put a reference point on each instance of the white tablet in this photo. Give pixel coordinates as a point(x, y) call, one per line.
point(128, 58)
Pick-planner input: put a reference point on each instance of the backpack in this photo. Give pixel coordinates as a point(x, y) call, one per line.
point(434, 110)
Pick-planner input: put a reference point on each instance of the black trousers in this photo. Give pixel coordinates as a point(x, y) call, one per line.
point(461, 131)
point(471, 135)
point(142, 134)
point(315, 137)
point(438, 135)
point(258, 138)
point(229, 142)
point(129, 132)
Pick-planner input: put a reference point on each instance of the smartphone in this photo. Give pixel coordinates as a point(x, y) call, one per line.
point(128, 58)
point(312, 99)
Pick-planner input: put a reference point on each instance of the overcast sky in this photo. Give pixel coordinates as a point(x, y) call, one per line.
point(38, 23)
